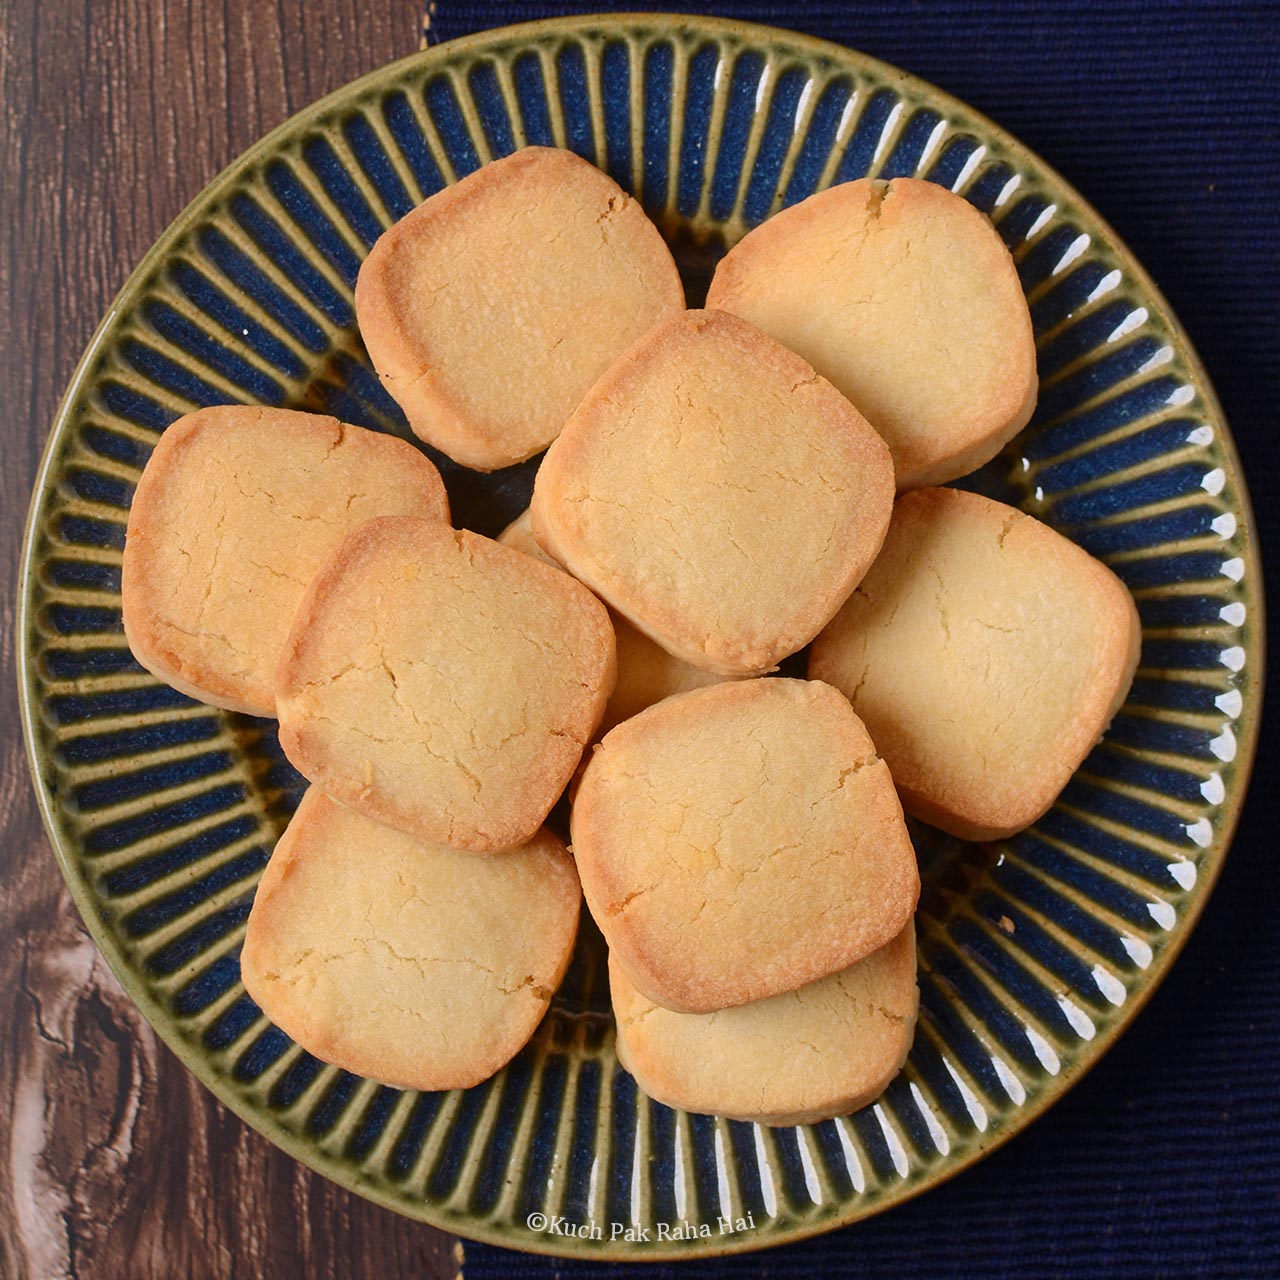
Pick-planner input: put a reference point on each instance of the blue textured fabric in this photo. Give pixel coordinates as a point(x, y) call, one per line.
point(1166, 1160)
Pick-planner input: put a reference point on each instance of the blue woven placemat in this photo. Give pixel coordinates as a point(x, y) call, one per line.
point(1165, 1161)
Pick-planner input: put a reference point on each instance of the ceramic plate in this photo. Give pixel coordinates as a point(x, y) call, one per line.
point(1034, 952)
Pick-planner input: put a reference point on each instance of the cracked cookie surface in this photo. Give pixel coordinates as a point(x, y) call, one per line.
point(904, 295)
point(717, 493)
point(986, 654)
point(823, 1050)
point(419, 966)
point(443, 684)
point(490, 309)
point(741, 841)
point(236, 509)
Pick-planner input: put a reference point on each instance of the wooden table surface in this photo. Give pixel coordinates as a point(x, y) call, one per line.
point(115, 1160)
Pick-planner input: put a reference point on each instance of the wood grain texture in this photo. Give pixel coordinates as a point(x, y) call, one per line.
point(113, 1160)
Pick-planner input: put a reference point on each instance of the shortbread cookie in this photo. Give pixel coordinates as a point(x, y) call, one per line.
point(647, 673)
point(717, 493)
point(235, 510)
point(741, 841)
point(416, 965)
point(440, 683)
point(518, 535)
point(986, 654)
point(904, 295)
point(823, 1050)
point(491, 308)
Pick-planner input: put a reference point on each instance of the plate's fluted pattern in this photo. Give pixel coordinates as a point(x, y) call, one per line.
point(1034, 951)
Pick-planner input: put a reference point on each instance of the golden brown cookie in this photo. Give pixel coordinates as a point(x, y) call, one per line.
point(986, 654)
point(741, 841)
point(416, 965)
point(717, 493)
point(647, 673)
point(807, 1055)
point(518, 535)
point(491, 308)
point(236, 508)
point(904, 295)
point(443, 684)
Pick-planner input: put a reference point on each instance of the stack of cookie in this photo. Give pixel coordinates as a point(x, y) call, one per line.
point(436, 688)
point(718, 493)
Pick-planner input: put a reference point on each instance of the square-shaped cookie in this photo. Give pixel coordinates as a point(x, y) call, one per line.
point(986, 654)
point(491, 308)
point(717, 493)
point(823, 1050)
point(416, 965)
point(236, 509)
point(443, 684)
point(741, 841)
point(904, 295)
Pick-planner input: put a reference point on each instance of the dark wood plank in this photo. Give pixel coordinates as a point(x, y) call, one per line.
point(115, 1161)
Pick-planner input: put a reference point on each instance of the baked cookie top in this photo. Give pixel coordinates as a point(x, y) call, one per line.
point(647, 673)
point(741, 841)
point(986, 654)
point(236, 509)
point(518, 535)
point(416, 965)
point(491, 308)
point(443, 684)
point(718, 493)
point(904, 295)
point(822, 1050)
